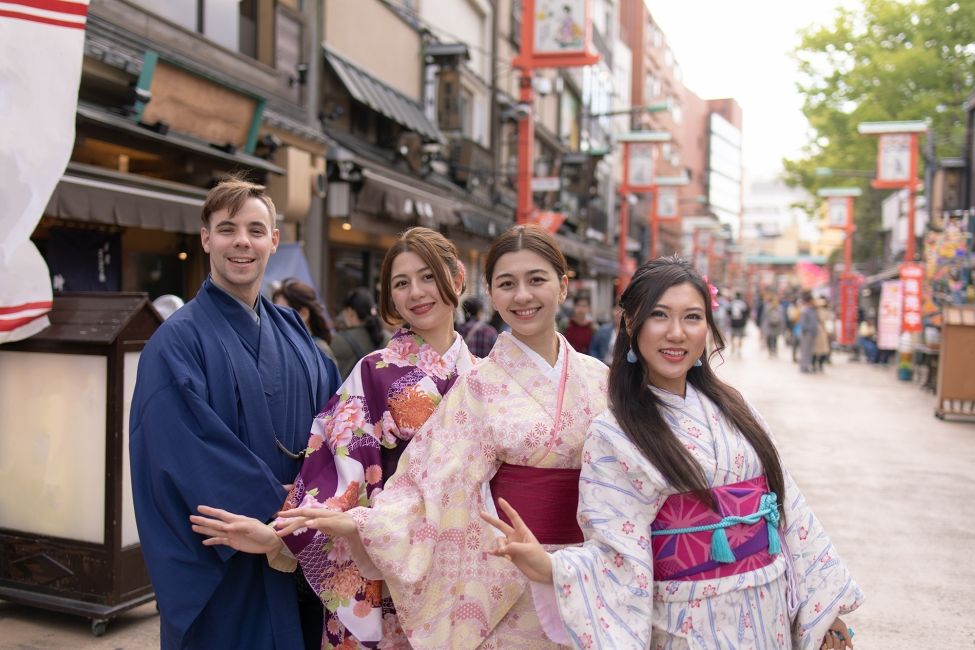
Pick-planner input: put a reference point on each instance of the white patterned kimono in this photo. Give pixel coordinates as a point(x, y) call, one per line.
point(606, 592)
point(424, 533)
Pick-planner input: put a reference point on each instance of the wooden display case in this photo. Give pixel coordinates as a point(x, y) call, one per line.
point(68, 539)
point(956, 369)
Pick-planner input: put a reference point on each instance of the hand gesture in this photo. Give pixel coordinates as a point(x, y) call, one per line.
point(332, 522)
point(236, 531)
point(520, 546)
point(838, 636)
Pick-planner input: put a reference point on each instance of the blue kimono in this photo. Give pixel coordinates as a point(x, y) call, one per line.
point(216, 397)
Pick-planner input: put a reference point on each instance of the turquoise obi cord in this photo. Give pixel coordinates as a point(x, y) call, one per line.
point(768, 509)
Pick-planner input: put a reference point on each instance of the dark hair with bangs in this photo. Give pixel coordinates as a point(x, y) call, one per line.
point(231, 194)
point(527, 237)
point(298, 294)
point(437, 252)
point(636, 407)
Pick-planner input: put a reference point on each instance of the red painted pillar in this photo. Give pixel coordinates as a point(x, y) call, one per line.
point(526, 141)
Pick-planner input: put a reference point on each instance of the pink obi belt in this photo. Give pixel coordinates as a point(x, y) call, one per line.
point(545, 498)
point(693, 542)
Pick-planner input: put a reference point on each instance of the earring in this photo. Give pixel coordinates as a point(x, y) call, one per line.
point(698, 363)
point(631, 356)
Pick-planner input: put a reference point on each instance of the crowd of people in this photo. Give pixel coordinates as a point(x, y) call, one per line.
point(465, 483)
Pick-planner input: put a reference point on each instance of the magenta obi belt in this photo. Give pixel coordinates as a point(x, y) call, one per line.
point(693, 542)
point(546, 498)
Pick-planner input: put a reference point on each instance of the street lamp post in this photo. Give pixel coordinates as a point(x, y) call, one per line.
point(637, 178)
point(897, 164)
point(840, 215)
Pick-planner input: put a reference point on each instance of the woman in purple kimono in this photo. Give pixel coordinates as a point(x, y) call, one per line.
point(356, 441)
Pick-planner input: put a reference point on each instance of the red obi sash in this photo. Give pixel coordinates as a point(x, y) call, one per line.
point(688, 556)
point(545, 498)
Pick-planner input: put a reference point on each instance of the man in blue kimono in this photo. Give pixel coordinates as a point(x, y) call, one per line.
point(226, 392)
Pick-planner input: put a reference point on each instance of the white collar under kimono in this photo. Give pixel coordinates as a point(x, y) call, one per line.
point(553, 373)
point(691, 399)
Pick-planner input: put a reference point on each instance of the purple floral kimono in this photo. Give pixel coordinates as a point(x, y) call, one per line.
point(354, 446)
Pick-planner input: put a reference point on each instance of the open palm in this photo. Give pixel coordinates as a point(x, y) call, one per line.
point(520, 546)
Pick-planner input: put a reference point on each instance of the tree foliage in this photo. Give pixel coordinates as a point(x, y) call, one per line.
point(884, 60)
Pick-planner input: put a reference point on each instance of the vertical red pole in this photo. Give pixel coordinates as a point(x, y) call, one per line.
point(848, 241)
point(526, 140)
point(911, 200)
point(624, 225)
point(654, 227)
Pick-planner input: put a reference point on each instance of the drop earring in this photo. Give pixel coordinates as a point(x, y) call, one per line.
point(698, 363)
point(630, 356)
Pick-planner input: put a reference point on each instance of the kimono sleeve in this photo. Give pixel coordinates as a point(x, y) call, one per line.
point(821, 586)
point(425, 535)
point(184, 454)
point(604, 588)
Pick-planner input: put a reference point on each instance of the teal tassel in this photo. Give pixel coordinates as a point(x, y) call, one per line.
point(773, 540)
point(720, 550)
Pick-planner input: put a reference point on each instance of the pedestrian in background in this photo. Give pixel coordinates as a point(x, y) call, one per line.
point(605, 337)
point(824, 335)
point(808, 327)
point(738, 315)
point(580, 327)
point(477, 333)
point(362, 334)
point(225, 394)
point(356, 441)
point(772, 326)
point(658, 492)
point(303, 299)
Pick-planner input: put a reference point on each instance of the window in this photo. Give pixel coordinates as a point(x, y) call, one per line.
point(515, 35)
point(230, 23)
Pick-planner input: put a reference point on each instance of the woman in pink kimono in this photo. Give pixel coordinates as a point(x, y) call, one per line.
point(513, 427)
point(696, 538)
point(356, 441)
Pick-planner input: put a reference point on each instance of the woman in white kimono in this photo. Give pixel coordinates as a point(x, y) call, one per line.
point(512, 427)
point(687, 544)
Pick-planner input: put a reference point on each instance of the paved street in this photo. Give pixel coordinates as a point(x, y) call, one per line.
point(893, 485)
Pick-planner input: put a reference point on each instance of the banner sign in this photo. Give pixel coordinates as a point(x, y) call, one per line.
point(889, 315)
point(849, 304)
point(41, 50)
point(894, 158)
point(838, 213)
point(548, 220)
point(667, 203)
point(640, 176)
point(911, 277)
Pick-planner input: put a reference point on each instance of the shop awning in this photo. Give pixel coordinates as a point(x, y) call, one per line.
point(97, 116)
point(383, 195)
point(132, 204)
point(381, 97)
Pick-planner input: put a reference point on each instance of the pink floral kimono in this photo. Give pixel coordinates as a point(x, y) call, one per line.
point(424, 533)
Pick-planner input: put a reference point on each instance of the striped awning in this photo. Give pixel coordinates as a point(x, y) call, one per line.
point(382, 98)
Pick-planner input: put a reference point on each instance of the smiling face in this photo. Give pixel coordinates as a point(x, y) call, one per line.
point(239, 247)
point(417, 299)
point(527, 291)
point(673, 337)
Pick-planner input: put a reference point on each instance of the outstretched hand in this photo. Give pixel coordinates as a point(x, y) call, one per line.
point(838, 636)
point(520, 546)
point(332, 522)
point(236, 531)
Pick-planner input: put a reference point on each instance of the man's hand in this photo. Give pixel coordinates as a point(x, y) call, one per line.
point(236, 531)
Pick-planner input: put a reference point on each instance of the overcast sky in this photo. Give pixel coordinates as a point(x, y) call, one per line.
point(741, 50)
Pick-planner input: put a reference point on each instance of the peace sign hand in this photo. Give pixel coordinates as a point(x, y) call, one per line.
point(520, 546)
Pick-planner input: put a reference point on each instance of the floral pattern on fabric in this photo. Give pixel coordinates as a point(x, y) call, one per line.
point(424, 533)
point(352, 449)
point(606, 591)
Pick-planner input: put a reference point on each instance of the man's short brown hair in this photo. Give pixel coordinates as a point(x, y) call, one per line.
point(231, 194)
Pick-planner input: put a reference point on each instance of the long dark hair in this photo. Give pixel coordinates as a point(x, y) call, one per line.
point(360, 301)
point(636, 407)
point(298, 294)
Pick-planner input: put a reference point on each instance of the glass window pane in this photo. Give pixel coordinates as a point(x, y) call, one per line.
point(221, 22)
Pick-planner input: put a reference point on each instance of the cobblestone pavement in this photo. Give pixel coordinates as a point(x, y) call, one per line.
point(894, 487)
